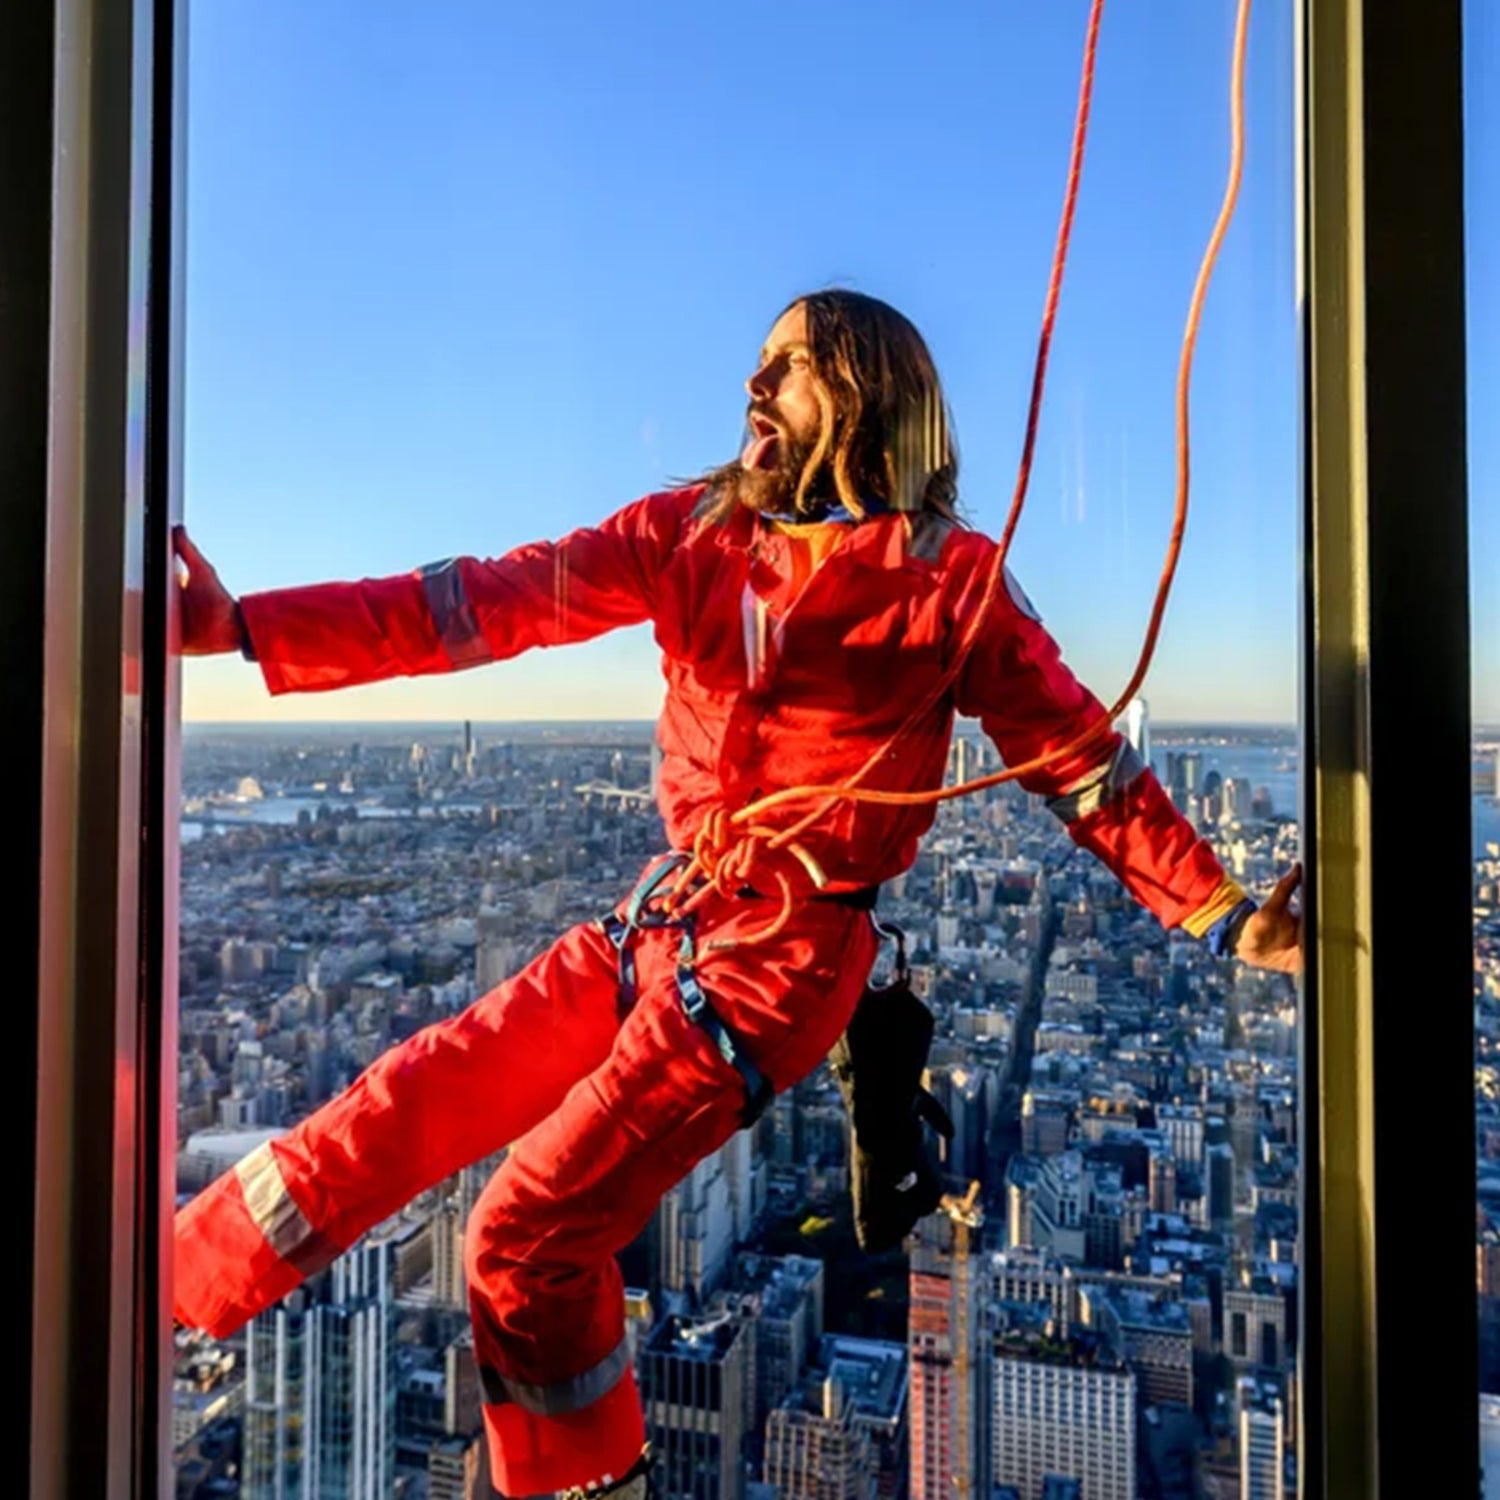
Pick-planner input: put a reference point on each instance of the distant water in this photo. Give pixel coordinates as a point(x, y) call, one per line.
point(1273, 767)
point(286, 810)
point(1486, 823)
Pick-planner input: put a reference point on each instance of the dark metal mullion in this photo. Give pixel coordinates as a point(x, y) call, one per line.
point(160, 679)
point(1390, 1390)
point(26, 84)
point(1420, 729)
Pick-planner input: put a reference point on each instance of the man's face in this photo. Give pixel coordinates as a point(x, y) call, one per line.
point(785, 416)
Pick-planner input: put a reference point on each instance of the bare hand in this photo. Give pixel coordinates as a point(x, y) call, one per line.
point(210, 613)
point(1272, 938)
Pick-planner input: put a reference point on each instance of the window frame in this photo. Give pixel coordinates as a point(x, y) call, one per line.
point(91, 111)
point(1385, 544)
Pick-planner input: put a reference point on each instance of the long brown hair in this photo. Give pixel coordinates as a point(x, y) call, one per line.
point(886, 441)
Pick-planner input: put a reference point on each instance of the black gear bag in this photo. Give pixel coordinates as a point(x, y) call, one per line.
point(878, 1065)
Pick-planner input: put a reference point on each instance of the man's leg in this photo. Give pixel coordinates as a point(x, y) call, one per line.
point(451, 1094)
point(561, 1406)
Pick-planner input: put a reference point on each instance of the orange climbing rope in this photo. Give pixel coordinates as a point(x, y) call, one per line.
point(733, 848)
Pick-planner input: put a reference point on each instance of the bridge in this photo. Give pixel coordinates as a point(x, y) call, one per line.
point(606, 792)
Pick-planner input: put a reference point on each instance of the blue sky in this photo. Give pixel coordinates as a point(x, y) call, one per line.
point(468, 276)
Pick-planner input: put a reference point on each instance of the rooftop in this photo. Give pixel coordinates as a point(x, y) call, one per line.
point(705, 1339)
point(872, 1371)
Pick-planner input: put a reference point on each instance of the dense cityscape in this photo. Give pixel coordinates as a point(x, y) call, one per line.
point(1105, 1311)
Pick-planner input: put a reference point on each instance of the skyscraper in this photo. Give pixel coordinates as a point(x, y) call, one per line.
point(943, 1341)
point(1255, 1322)
point(1219, 1170)
point(495, 951)
point(814, 1450)
point(964, 763)
point(1162, 1182)
point(321, 1382)
point(458, 1469)
point(1063, 1407)
point(1187, 765)
point(448, 1256)
point(1152, 1334)
point(873, 1373)
point(1024, 1276)
point(693, 1386)
point(1262, 1447)
point(786, 1295)
point(275, 1378)
point(1046, 1119)
point(449, 1286)
point(697, 1233)
point(1021, 1173)
point(1063, 1190)
point(462, 1393)
point(1184, 1127)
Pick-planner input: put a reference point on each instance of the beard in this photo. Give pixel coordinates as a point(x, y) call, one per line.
point(773, 489)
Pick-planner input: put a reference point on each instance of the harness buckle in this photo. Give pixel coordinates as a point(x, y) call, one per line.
point(691, 995)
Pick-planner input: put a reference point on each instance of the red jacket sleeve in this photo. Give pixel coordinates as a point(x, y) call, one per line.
point(465, 612)
point(1029, 703)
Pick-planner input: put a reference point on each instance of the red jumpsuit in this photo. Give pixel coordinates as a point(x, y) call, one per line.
point(773, 678)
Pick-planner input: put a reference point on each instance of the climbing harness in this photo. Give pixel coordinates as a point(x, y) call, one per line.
point(731, 848)
point(641, 915)
point(649, 907)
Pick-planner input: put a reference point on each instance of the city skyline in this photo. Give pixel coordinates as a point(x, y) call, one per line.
point(1124, 1105)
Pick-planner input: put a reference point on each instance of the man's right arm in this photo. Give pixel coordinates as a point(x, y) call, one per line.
point(466, 611)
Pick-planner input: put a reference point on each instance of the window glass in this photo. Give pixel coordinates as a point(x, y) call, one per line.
point(467, 281)
point(1482, 215)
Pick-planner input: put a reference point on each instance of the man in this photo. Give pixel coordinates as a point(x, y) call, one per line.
point(806, 598)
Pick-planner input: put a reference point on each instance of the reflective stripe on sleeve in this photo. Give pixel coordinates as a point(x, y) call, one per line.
point(1095, 789)
point(458, 630)
point(1018, 597)
point(277, 1216)
point(562, 1396)
point(1228, 895)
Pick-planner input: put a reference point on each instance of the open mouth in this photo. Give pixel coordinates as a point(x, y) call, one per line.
point(761, 448)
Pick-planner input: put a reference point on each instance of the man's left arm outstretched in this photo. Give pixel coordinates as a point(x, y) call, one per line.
point(1111, 803)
